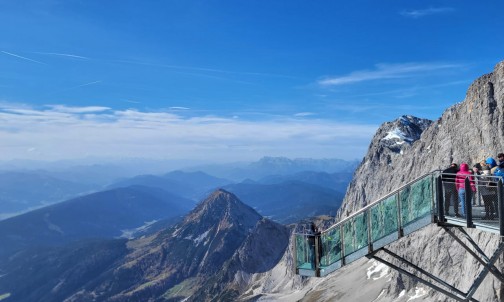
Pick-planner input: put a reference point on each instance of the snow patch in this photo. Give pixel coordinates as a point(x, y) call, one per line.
point(51, 225)
point(419, 292)
point(175, 233)
point(130, 233)
point(377, 268)
point(397, 134)
point(198, 239)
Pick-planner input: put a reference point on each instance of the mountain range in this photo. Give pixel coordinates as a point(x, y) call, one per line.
point(106, 214)
point(23, 190)
point(289, 201)
point(268, 165)
point(191, 185)
point(198, 259)
point(224, 250)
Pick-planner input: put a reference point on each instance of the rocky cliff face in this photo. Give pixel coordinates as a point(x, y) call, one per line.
point(468, 132)
point(392, 141)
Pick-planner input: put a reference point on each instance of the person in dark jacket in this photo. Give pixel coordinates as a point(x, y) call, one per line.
point(450, 192)
point(500, 157)
point(476, 170)
point(488, 191)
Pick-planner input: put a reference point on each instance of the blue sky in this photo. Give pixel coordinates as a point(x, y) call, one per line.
point(231, 80)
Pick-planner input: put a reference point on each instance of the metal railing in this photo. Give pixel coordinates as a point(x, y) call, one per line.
point(432, 197)
point(392, 216)
point(477, 206)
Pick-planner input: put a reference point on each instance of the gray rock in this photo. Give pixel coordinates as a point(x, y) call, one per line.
point(469, 132)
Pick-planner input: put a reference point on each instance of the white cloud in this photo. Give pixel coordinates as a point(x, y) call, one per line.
point(386, 71)
point(426, 12)
point(63, 132)
point(301, 114)
point(66, 109)
point(179, 108)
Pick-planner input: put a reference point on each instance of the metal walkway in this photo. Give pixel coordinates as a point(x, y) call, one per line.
point(415, 205)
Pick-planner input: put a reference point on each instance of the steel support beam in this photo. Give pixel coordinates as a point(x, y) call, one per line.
point(421, 280)
point(495, 271)
point(449, 290)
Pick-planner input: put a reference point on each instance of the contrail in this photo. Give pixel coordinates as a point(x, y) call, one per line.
point(62, 55)
point(87, 84)
point(206, 69)
point(24, 58)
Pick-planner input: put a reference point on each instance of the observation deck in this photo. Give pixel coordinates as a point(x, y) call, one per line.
point(426, 200)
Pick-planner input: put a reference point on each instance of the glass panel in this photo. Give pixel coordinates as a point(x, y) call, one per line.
point(331, 246)
point(348, 237)
point(305, 251)
point(355, 233)
point(416, 200)
point(384, 218)
point(361, 230)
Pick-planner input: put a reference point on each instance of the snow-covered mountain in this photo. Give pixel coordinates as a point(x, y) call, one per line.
point(405, 130)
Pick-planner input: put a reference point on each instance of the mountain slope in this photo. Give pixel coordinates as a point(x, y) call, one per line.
point(335, 181)
point(467, 132)
point(191, 185)
point(195, 260)
point(98, 215)
point(21, 191)
point(190, 253)
point(289, 201)
point(53, 274)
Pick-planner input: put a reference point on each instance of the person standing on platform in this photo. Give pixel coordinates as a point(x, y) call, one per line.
point(460, 184)
point(476, 170)
point(488, 192)
point(450, 192)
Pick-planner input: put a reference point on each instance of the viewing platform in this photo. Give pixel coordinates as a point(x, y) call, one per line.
point(413, 206)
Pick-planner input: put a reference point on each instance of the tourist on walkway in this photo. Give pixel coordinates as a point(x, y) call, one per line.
point(462, 174)
point(492, 164)
point(476, 170)
point(450, 192)
point(488, 191)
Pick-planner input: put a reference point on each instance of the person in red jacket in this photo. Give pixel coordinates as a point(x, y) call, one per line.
point(462, 174)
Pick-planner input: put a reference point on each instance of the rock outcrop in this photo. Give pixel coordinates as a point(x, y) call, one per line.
point(468, 131)
point(392, 141)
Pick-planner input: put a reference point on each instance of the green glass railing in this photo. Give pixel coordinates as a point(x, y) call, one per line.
point(405, 210)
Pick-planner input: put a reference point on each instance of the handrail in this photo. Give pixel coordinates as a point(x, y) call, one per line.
point(425, 200)
point(374, 202)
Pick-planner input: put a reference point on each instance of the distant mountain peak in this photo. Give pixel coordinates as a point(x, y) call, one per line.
point(404, 130)
point(220, 211)
point(219, 199)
